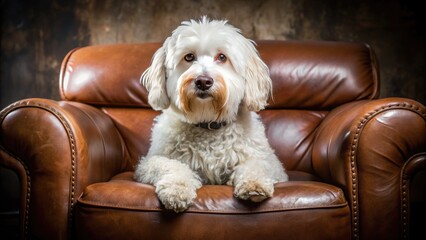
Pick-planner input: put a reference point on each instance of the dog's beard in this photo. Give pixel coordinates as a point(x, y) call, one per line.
point(208, 105)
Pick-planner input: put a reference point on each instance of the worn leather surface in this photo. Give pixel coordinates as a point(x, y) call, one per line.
point(350, 156)
point(214, 214)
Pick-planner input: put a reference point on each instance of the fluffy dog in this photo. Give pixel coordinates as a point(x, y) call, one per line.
point(209, 81)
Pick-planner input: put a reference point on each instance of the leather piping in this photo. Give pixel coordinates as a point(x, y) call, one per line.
point(353, 156)
point(71, 138)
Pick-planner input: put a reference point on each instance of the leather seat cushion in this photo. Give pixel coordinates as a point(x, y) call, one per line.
point(123, 202)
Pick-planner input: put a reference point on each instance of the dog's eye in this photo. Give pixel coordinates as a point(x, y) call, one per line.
point(221, 57)
point(189, 57)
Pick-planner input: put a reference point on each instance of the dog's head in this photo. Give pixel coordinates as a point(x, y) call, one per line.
point(205, 71)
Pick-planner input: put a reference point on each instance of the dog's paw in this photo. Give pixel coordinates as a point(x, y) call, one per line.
point(176, 196)
point(254, 191)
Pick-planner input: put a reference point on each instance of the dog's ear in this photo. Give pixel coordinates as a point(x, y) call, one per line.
point(154, 80)
point(258, 87)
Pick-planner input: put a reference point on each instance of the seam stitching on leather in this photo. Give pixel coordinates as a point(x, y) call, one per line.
point(405, 200)
point(73, 159)
point(404, 206)
point(28, 199)
point(27, 202)
point(97, 204)
point(354, 146)
point(27, 172)
point(29, 103)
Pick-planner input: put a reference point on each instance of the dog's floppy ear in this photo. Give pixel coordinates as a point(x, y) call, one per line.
point(154, 80)
point(258, 82)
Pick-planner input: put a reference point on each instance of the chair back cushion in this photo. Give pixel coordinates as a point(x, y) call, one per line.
point(306, 75)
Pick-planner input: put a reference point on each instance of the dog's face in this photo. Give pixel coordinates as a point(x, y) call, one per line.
point(205, 71)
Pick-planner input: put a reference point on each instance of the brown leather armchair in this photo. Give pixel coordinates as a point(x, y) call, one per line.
point(351, 157)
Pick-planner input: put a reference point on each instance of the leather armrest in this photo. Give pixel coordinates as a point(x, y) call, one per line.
point(57, 149)
point(371, 149)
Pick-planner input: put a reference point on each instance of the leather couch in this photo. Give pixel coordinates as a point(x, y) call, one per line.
point(351, 156)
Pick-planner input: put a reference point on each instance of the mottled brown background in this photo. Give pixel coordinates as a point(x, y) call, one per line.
point(36, 35)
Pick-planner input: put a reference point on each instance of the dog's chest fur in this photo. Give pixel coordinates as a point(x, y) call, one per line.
point(213, 154)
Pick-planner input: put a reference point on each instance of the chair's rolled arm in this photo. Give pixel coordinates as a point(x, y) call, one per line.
point(57, 149)
point(372, 149)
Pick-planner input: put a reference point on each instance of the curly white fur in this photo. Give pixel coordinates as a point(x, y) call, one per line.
point(184, 156)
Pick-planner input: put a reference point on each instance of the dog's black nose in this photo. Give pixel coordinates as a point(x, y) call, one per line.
point(204, 83)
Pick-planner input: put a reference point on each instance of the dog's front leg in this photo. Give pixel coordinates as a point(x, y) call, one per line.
point(175, 183)
point(254, 180)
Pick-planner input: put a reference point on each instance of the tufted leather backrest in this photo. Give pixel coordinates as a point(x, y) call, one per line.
point(306, 75)
point(309, 79)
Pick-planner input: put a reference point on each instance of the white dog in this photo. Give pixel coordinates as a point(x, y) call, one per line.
point(209, 81)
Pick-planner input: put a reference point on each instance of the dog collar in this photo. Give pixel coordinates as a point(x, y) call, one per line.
point(211, 125)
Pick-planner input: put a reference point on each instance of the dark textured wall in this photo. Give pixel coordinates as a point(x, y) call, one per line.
point(37, 34)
